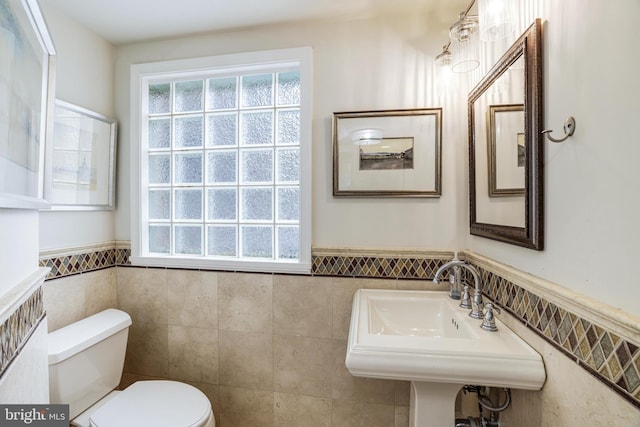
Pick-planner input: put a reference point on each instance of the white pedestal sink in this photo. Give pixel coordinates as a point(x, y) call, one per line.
point(425, 338)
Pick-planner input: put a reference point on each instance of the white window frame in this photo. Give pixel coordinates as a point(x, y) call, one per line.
point(141, 74)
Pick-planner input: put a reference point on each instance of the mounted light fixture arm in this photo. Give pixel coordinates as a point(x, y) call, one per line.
point(569, 128)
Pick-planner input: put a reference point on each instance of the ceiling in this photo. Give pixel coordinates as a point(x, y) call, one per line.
point(129, 21)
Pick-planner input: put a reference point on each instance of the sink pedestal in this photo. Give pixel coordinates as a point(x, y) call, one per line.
point(433, 404)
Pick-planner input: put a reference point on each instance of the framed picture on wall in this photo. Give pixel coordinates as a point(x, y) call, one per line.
point(507, 153)
point(26, 103)
point(387, 153)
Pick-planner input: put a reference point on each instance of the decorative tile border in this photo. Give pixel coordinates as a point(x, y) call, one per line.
point(22, 311)
point(606, 348)
point(67, 262)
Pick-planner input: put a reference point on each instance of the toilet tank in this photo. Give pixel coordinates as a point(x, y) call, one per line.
point(86, 359)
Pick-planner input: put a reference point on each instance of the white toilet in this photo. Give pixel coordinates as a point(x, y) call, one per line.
point(86, 360)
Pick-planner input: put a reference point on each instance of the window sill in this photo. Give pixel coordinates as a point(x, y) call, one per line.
point(201, 263)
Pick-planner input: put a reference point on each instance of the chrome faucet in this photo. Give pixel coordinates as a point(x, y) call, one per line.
point(477, 306)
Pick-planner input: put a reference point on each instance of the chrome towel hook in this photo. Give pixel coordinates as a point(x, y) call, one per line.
point(569, 128)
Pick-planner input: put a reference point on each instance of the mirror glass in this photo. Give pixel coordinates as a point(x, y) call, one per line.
point(505, 147)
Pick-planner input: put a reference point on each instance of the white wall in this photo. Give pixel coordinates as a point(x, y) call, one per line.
point(591, 181)
point(84, 76)
point(18, 246)
point(367, 64)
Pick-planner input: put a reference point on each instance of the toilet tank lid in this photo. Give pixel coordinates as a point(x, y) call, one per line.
point(67, 341)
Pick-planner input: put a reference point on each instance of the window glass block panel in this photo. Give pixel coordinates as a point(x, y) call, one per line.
point(288, 242)
point(289, 127)
point(159, 239)
point(189, 96)
point(257, 241)
point(289, 88)
point(188, 239)
point(160, 133)
point(159, 169)
point(257, 204)
point(188, 131)
point(221, 240)
point(222, 93)
point(160, 98)
point(288, 203)
point(222, 167)
point(288, 166)
point(257, 91)
point(159, 204)
point(188, 204)
point(188, 168)
point(222, 204)
point(222, 130)
point(256, 166)
point(257, 128)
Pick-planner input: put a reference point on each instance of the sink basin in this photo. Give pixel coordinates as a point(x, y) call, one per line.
point(426, 338)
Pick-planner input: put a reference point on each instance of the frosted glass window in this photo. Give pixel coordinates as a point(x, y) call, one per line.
point(288, 203)
point(159, 204)
point(159, 169)
point(188, 239)
point(221, 240)
point(222, 93)
point(257, 128)
point(189, 96)
point(159, 239)
point(222, 204)
point(257, 241)
point(160, 133)
point(257, 166)
point(188, 168)
point(288, 242)
point(222, 130)
point(188, 131)
point(222, 167)
point(288, 127)
point(289, 88)
point(160, 98)
point(257, 91)
point(288, 166)
point(257, 204)
point(188, 204)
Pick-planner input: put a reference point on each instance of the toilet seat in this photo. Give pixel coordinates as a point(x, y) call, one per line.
point(155, 404)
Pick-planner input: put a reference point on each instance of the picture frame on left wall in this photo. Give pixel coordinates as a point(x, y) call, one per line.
point(27, 96)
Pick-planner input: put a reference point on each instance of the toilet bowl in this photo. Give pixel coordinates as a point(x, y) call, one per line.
point(86, 360)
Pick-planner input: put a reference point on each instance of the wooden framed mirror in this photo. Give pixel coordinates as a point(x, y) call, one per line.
point(506, 190)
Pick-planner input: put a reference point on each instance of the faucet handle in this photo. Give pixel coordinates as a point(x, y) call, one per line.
point(489, 321)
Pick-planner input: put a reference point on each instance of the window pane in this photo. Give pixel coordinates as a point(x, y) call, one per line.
point(257, 166)
point(222, 130)
point(189, 96)
point(222, 240)
point(257, 204)
point(257, 128)
point(159, 133)
point(222, 167)
point(257, 91)
point(188, 168)
point(188, 131)
point(289, 165)
point(222, 204)
point(160, 98)
point(188, 239)
point(288, 204)
point(289, 127)
point(159, 204)
point(222, 93)
point(289, 88)
point(159, 239)
point(257, 241)
point(188, 204)
point(159, 169)
point(288, 242)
